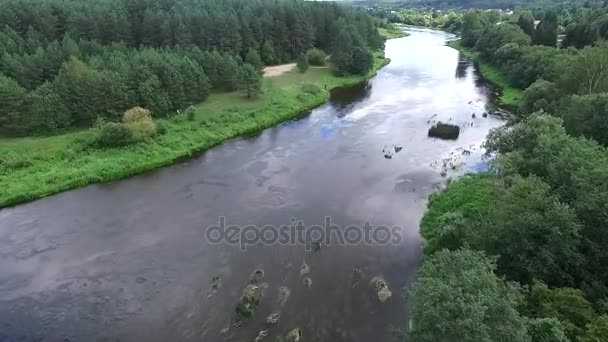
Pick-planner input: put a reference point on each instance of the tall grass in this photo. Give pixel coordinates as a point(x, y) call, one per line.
point(32, 168)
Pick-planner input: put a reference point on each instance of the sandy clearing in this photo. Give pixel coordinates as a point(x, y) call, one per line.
point(277, 70)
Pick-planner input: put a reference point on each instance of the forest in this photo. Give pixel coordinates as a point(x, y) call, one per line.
point(68, 63)
point(518, 253)
point(98, 90)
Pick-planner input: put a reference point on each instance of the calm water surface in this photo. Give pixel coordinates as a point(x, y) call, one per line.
point(129, 261)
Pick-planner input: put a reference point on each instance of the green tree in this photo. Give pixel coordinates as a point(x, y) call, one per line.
point(472, 28)
point(457, 297)
point(539, 96)
point(546, 330)
point(268, 54)
point(253, 58)
point(12, 97)
point(526, 22)
point(496, 36)
point(597, 330)
point(250, 80)
point(362, 61)
point(302, 63)
point(546, 31)
point(568, 305)
point(586, 115)
point(316, 57)
point(588, 72)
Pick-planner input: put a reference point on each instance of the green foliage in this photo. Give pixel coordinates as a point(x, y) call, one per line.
point(539, 96)
point(587, 73)
point(567, 305)
point(103, 57)
point(225, 116)
point(311, 88)
point(546, 330)
point(546, 31)
point(316, 57)
point(302, 63)
point(472, 28)
point(113, 134)
point(457, 297)
point(250, 80)
point(355, 61)
point(597, 330)
point(498, 35)
point(526, 22)
point(587, 116)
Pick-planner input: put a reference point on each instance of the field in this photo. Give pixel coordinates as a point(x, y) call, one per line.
point(32, 168)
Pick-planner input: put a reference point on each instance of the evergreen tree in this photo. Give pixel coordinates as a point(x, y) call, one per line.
point(546, 32)
point(268, 54)
point(302, 63)
point(12, 97)
point(250, 80)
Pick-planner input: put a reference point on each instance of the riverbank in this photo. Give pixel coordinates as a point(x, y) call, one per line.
point(392, 33)
point(32, 168)
point(509, 96)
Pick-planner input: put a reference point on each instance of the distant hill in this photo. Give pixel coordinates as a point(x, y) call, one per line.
point(453, 4)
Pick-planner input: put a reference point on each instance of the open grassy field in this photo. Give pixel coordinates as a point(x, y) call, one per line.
point(510, 96)
point(32, 168)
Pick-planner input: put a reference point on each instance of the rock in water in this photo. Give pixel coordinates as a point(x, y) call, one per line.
point(273, 318)
point(307, 282)
point(398, 149)
point(261, 335)
point(294, 336)
point(305, 269)
point(444, 131)
point(284, 293)
point(257, 276)
point(381, 287)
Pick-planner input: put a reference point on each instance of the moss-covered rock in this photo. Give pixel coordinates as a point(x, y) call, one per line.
point(444, 131)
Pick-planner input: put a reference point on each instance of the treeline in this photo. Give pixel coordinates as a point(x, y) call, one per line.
point(64, 63)
point(518, 253)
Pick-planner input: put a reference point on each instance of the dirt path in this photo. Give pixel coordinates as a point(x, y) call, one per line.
point(277, 70)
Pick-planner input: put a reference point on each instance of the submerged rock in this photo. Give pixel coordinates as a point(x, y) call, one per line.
point(304, 269)
point(316, 245)
point(381, 287)
point(444, 131)
point(284, 293)
point(307, 282)
point(294, 336)
point(216, 283)
point(398, 148)
point(273, 318)
point(250, 298)
point(261, 335)
point(257, 276)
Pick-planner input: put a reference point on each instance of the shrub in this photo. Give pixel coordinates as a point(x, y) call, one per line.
point(311, 88)
point(161, 127)
point(139, 121)
point(303, 64)
point(316, 57)
point(304, 97)
point(113, 134)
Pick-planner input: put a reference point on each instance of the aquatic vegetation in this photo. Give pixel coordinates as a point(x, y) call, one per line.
point(284, 293)
point(273, 318)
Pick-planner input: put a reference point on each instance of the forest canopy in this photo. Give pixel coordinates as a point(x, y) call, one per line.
point(65, 63)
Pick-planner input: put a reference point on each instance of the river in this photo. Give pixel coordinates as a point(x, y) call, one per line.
point(130, 260)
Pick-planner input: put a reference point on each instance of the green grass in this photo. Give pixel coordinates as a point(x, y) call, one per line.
point(393, 33)
point(36, 167)
point(510, 96)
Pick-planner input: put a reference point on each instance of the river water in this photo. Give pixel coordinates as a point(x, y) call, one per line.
point(130, 261)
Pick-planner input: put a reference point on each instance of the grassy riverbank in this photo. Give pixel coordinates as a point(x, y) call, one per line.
point(510, 96)
point(32, 168)
point(392, 33)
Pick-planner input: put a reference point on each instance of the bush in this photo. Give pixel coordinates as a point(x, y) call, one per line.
point(139, 121)
point(161, 127)
point(113, 134)
point(444, 131)
point(303, 64)
point(311, 88)
point(316, 57)
point(304, 97)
